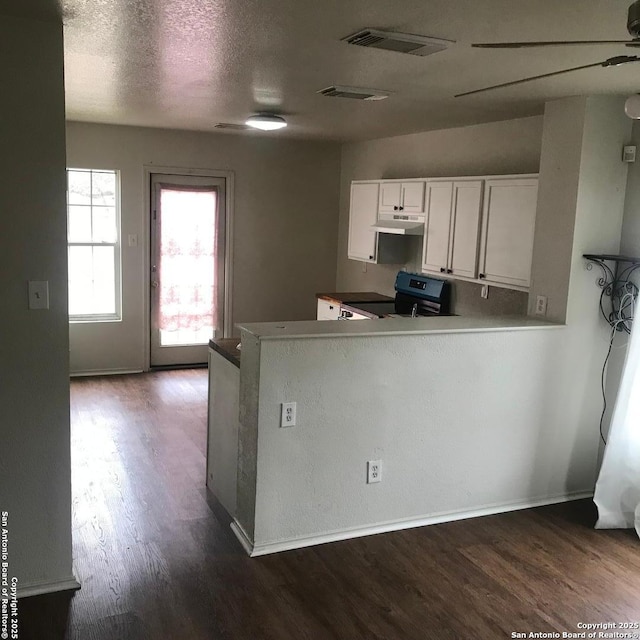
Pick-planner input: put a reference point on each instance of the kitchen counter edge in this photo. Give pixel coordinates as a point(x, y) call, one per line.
point(354, 297)
point(393, 327)
point(227, 348)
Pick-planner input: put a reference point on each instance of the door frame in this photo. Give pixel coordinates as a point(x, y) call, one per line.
point(228, 176)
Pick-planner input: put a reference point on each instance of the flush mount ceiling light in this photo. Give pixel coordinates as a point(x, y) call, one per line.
point(266, 122)
point(632, 107)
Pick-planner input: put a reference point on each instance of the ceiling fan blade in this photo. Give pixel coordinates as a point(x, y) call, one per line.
point(558, 43)
point(610, 62)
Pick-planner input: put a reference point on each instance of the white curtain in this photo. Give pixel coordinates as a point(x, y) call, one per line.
point(617, 493)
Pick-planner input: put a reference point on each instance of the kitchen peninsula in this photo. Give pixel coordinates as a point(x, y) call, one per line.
point(464, 415)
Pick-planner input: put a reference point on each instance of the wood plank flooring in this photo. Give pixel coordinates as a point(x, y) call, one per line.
point(156, 563)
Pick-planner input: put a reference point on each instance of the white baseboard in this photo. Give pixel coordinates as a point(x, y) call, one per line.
point(103, 372)
point(240, 533)
point(40, 588)
point(254, 550)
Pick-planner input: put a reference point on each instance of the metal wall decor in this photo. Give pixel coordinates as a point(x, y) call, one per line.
point(619, 291)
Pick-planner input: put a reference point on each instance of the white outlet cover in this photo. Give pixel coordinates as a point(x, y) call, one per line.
point(288, 414)
point(374, 471)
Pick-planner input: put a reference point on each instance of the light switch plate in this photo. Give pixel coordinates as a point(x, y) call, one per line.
point(38, 294)
point(133, 240)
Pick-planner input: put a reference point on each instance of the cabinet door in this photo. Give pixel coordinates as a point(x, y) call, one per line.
point(412, 197)
point(467, 204)
point(390, 195)
point(508, 225)
point(437, 228)
point(327, 310)
point(363, 213)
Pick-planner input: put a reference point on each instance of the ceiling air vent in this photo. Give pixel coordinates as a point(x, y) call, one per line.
point(231, 126)
point(400, 42)
point(355, 93)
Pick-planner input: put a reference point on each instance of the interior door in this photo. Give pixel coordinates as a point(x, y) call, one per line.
point(188, 227)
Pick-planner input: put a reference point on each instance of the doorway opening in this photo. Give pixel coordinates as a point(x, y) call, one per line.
point(188, 265)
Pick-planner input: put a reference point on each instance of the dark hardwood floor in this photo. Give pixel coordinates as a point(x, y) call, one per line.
point(156, 563)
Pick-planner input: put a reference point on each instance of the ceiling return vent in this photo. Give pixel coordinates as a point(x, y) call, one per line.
point(400, 42)
point(356, 93)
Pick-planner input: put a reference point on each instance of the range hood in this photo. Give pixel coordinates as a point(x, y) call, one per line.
point(400, 227)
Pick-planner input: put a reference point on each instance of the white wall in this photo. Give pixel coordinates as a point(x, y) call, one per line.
point(507, 147)
point(462, 422)
point(285, 225)
point(35, 483)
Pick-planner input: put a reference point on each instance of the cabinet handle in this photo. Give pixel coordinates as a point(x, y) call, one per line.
point(370, 257)
point(449, 270)
point(442, 270)
point(481, 275)
point(401, 208)
point(395, 208)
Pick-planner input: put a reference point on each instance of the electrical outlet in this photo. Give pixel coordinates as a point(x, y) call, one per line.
point(374, 471)
point(288, 414)
point(484, 291)
point(541, 305)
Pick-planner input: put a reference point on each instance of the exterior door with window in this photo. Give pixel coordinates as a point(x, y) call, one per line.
point(188, 229)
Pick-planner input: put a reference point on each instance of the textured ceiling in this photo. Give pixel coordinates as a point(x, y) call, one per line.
point(192, 63)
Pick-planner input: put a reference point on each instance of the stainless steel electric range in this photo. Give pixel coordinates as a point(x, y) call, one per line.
point(417, 295)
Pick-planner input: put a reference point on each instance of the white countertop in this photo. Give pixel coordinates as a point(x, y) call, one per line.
point(393, 326)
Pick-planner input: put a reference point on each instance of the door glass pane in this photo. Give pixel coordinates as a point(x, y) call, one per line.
point(186, 266)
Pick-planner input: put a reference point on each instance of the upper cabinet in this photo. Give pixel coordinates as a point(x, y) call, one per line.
point(479, 229)
point(508, 224)
point(364, 243)
point(363, 213)
point(452, 227)
point(406, 197)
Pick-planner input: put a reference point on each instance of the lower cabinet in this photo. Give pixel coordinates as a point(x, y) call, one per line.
point(327, 310)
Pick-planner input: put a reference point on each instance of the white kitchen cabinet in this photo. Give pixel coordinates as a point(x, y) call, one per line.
point(363, 213)
point(364, 243)
point(327, 310)
point(452, 227)
point(508, 224)
point(437, 226)
point(405, 197)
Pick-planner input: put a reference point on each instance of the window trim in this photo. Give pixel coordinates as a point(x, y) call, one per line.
point(117, 257)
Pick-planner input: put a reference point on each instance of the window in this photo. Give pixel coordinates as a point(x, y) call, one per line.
point(93, 228)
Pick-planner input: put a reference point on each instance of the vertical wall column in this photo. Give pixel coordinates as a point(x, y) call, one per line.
point(35, 468)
